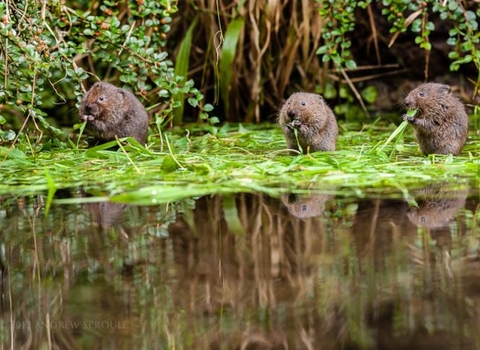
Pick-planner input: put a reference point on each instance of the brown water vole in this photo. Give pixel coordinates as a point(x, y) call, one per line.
point(440, 121)
point(111, 111)
point(314, 121)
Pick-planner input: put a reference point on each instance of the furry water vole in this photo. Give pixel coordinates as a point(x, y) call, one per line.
point(314, 121)
point(111, 111)
point(440, 121)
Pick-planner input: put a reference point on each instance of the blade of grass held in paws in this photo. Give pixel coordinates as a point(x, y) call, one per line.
point(411, 112)
point(295, 132)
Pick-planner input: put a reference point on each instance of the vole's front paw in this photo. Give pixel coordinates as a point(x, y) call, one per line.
point(409, 119)
point(296, 124)
point(87, 118)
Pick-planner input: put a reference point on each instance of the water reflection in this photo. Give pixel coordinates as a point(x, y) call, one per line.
point(305, 206)
point(437, 205)
point(243, 272)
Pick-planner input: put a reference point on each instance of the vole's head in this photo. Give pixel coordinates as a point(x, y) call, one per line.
point(426, 95)
point(100, 100)
point(302, 108)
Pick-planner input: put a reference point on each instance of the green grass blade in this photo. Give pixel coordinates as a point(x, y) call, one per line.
point(181, 69)
point(398, 131)
point(229, 48)
point(51, 192)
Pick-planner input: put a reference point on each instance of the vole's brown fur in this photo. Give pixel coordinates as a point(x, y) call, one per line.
point(314, 121)
point(111, 111)
point(440, 123)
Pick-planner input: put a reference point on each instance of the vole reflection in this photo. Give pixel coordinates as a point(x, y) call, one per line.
point(305, 206)
point(437, 205)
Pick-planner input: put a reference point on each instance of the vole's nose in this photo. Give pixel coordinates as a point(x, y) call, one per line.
point(87, 109)
point(291, 114)
point(409, 103)
point(90, 109)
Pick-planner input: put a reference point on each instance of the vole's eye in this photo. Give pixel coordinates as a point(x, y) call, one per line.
point(303, 103)
point(101, 98)
point(421, 94)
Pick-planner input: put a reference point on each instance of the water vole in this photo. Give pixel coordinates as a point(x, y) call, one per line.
point(311, 118)
point(111, 111)
point(440, 122)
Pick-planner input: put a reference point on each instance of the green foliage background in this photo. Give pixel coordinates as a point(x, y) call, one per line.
point(52, 51)
point(245, 57)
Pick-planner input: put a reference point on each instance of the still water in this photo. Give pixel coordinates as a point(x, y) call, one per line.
point(243, 271)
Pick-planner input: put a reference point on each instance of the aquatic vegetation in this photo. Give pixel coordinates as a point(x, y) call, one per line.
point(191, 162)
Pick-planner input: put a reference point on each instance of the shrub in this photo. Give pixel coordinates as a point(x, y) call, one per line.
point(414, 16)
point(49, 49)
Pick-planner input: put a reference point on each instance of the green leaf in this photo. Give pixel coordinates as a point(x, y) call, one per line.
point(214, 120)
point(426, 45)
point(322, 49)
point(412, 112)
point(229, 48)
point(470, 16)
point(208, 107)
point(466, 46)
point(169, 164)
point(192, 102)
point(453, 55)
point(453, 32)
point(452, 5)
point(369, 94)
point(231, 214)
point(452, 41)
point(181, 69)
point(350, 64)
point(398, 131)
point(51, 192)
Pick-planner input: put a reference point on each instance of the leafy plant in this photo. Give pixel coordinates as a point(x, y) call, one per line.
point(251, 54)
point(119, 42)
point(403, 15)
point(335, 33)
point(464, 36)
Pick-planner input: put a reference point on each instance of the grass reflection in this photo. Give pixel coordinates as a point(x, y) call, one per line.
point(245, 271)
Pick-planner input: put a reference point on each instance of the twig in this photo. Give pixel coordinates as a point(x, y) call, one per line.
point(367, 77)
point(128, 37)
point(374, 33)
point(355, 91)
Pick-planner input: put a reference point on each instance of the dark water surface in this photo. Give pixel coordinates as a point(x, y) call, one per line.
point(244, 271)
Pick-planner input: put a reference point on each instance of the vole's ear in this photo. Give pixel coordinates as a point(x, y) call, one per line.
point(444, 89)
point(94, 86)
point(121, 93)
